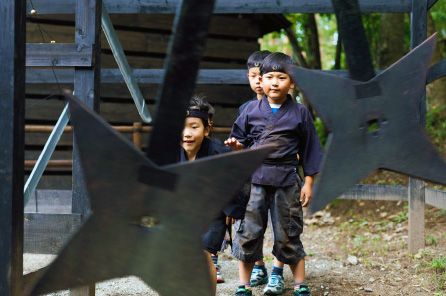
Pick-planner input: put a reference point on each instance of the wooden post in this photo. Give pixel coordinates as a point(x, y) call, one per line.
point(86, 88)
point(83, 291)
point(12, 127)
point(417, 187)
point(137, 136)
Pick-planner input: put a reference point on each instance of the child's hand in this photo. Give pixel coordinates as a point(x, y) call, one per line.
point(306, 193)
point(234, 144)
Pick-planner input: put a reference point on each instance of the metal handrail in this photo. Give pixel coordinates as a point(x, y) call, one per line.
point(46, 154)
point(126, 71)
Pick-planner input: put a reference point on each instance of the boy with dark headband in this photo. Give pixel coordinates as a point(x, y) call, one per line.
point(277, 119)
point(259, 275)
point(197, 144)
point(254, 63)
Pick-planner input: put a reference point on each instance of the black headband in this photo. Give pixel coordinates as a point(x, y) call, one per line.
point(272, 68)
point(199, 114)
point(254, 65)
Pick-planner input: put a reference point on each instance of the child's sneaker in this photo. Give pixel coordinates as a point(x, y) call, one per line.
point(259, 276)
point(275, 285)
point(242, 291)
point(302, 291)
point(220, 278)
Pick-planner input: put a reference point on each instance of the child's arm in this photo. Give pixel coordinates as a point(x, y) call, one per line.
point(238, 139)
point(311, 156)
point(306, 193)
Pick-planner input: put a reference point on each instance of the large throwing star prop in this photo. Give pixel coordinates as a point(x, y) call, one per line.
point(373, 124)
point(126, 190)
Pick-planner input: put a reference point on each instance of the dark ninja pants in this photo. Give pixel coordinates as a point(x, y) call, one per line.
point(287, 221)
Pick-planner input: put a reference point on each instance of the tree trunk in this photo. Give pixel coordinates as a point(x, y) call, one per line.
point(313, 47)
point(436, 91)
point(338, 53)
point(297, 49)
point(391, 48)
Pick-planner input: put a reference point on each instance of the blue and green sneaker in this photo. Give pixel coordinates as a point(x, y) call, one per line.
point(302, 291)
point(259, 276)
point(243, 291)
point(275, 285)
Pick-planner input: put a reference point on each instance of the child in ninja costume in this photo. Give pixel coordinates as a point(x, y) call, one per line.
point(196, 144)
point(276, 119)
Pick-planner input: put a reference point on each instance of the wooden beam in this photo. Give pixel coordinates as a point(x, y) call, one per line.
point(145, 76)
point(226, 95)
point(82, 291)
point(376, 192)
point(58, 55)
point(163, 23)
point(155, 62)
point(37, 109)
point(58, 163)
point(205, 76)
point(86, 87)
point(416, 191)
point(436, 198)
point(224, 6)
point(146, 42)
point(12, 115)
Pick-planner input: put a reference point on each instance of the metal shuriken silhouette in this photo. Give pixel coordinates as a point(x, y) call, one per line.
point(177, 202)
point(372, 124)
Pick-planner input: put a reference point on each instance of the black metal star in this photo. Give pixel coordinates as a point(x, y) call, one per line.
point(176, 203)
point(372, 124)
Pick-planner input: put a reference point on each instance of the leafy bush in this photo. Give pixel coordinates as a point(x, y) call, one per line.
point(436, 126)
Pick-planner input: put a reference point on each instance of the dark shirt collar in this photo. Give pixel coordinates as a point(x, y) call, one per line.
point(202, 152)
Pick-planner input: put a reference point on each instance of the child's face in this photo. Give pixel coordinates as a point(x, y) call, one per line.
point(276, 86)
point(254, 80)
point(193, 134)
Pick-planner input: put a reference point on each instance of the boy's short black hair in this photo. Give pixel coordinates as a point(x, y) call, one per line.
point(199, 107)
point(256, 58)
point(276, 62)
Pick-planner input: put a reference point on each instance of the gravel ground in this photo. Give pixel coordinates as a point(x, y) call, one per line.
point(330, 271)
point(316, 268)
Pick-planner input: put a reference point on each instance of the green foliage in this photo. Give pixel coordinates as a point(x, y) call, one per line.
point(438, 13)
point(372, 24)
point(276, 41)
point(440, 283)
point(401, 216)
point(328, 36)
point(436, 125)
point(431, 240)
point(441, 213)
point(439, 264)
point(321, 131)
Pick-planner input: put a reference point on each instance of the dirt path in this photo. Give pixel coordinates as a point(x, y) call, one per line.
point(363, 254)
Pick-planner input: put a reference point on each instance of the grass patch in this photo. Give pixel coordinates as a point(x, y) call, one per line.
point(431, 240)
point(439, 264)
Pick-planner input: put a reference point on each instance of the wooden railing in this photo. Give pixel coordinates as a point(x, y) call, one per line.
point(137, 130)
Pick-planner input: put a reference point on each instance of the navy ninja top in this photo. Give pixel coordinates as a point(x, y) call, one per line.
point(290, 129)
point(243, 106)
point(237, 206)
